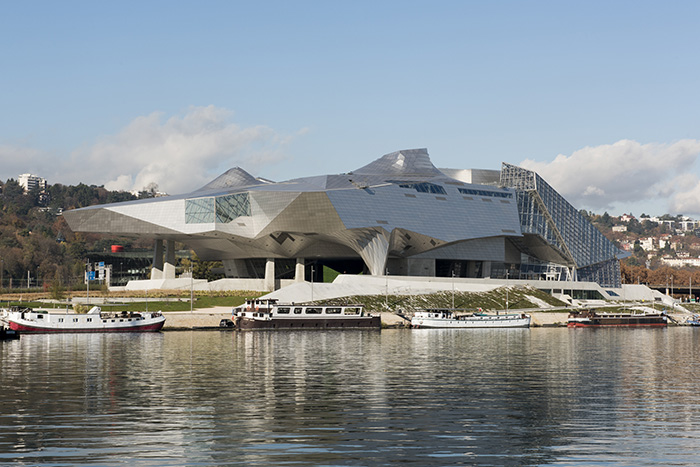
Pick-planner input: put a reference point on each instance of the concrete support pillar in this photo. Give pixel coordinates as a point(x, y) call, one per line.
point(169, 266)
point(270, 274)
point(157, 268)
point(486, 269)
point(471, 268)
point(299, 271)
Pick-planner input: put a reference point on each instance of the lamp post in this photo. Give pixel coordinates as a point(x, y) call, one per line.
point(87, 277)
point(386, 290)
point(312, 283)
point(507, 271)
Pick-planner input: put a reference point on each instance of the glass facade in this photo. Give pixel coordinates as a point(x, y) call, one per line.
point(546, 213)
point(223, 209)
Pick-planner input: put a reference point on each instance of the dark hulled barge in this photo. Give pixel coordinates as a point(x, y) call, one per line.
point(592, 318)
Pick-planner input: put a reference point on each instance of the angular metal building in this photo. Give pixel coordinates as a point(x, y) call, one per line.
point(398, 215)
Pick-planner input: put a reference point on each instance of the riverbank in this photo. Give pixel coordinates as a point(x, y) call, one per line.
point(210, 318)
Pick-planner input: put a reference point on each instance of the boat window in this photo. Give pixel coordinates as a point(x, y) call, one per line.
point(352, 311)
point(297, 311)
point(39, 316)
point(89, 320)
point(333, 311)
point(121, 320)
point(283, 311)
point(75, 320)
point(60, 320)
point(313, 311)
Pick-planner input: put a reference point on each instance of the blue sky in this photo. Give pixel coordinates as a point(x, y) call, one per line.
point(602, 98)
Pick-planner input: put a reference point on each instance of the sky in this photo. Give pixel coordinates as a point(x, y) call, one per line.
point(601, 98)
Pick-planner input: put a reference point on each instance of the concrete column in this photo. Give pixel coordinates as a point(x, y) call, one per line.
point(486, 269)
point(270, 274)
point(299, 271)
point(169, 266)
point(157, 268)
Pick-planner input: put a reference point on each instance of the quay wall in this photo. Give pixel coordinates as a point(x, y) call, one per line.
point(211, 318)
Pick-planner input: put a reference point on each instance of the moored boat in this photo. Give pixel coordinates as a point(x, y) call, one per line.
point(268, 314)
point(7, 334)
point(592, 318)
point(29, 321)
point(453, 319)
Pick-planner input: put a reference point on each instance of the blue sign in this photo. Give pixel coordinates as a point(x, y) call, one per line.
point(91, 275)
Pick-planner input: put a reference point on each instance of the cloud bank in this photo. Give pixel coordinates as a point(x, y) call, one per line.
point(626, 172)
point(179, 154)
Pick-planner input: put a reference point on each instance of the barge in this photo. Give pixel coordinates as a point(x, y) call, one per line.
point(30, 321)
point(592, 318)
point(260, 314)
point(452, 319)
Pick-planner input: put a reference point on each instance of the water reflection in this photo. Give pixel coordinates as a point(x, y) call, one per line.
point(422, 397)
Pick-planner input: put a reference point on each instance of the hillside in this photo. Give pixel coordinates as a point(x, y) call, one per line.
point(35, 240)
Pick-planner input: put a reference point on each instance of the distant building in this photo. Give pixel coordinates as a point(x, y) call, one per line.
point(626, 218)
point(31, 181)
point(687, 225)
point(647, 243)
point(681, 262)
point(619, 228)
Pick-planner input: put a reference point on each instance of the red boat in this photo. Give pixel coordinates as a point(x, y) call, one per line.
point(591, 318)
point(29, 321)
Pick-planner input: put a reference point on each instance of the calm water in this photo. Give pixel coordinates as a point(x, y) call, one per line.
point(422, 397)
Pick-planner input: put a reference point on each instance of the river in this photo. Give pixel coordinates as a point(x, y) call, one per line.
point(525, 397)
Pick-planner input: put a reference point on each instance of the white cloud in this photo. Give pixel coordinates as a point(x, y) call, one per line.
point(179, 154)
point(17, 160)
point(625, 172)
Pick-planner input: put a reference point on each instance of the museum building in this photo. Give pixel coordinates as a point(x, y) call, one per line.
point(399, 215)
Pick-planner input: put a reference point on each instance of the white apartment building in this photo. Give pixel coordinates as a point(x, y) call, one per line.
point(31, 181)
point(647, 243)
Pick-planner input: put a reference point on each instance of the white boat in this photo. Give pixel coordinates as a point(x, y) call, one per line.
point(268, 314)
point(30, 321)
point(452, 319)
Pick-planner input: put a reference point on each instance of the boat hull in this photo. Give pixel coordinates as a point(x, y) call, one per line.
point(601, 323)
point(471, 323)
point(318, 324)
point(35, 329)
point(8, 334)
